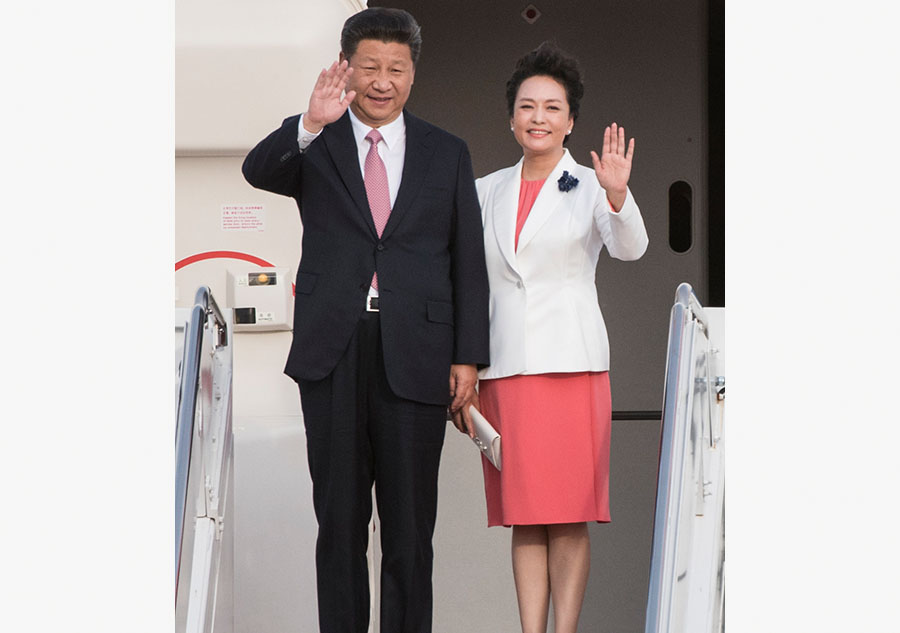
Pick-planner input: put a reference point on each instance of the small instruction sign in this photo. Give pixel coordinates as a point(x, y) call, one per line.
point(243, 217)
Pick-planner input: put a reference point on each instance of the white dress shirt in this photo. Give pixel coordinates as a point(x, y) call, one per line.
point(391, 149)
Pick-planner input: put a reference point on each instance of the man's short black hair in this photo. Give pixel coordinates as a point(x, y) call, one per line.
point(384, 25)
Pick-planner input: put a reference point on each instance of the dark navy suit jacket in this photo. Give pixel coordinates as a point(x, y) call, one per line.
point(432, 279)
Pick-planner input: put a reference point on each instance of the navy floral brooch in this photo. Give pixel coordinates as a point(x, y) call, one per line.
point(567, 182)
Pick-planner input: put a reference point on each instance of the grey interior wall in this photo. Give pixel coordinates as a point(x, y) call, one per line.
point(616, 595)
point(645, 67)
point(644, 64)
point(473, 582)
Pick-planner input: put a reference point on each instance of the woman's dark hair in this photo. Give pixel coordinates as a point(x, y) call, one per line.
point(550, 61)
point(385, 25)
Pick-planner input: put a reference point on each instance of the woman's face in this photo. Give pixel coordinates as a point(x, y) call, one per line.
point(541, 116)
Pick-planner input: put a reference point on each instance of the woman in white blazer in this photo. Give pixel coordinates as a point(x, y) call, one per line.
point(546, 220)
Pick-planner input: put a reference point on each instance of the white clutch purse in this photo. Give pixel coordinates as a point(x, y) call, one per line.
point(486, 437)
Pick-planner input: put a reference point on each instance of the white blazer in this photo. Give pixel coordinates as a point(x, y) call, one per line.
point(544, 313)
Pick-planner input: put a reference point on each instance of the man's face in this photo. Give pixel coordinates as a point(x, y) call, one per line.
point(382, 76)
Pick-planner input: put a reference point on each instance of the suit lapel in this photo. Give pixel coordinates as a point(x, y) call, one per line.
point(503, 212)
point(419, 150)
point(547, 201)
point(341, 145)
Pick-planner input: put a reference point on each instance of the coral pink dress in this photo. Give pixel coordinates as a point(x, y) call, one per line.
point(555, 431)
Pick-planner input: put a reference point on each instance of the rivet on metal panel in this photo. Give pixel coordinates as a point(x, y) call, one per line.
point(531, 14)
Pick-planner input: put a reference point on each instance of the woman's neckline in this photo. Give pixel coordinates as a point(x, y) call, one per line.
point(541, 164)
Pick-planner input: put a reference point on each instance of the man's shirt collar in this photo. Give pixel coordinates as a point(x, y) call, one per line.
point(392, 133)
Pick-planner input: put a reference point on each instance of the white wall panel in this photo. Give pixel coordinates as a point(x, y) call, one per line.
point(241, 67)
point(202, 187)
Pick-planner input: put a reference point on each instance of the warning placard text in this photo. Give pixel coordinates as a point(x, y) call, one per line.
point(243, 217)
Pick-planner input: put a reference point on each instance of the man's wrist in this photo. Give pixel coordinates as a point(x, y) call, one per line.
point(306, 136)
point(311, 126)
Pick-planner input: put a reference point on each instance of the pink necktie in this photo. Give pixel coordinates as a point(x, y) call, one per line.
point(377, 188)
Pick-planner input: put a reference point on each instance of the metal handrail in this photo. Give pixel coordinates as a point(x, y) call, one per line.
point(684, 295)
point(205, 308)
point(687, 308)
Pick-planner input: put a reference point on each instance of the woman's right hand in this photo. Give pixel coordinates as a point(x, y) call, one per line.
point(325, 104)
point(613, 167)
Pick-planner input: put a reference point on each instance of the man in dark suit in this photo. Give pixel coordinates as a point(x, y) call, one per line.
point(390, 314)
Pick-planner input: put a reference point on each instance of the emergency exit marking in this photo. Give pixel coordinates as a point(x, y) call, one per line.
point(243, 217)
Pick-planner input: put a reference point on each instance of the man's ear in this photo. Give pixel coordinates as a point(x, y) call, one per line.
point(340, 57)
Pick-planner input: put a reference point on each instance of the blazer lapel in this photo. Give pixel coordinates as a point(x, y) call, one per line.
point(547, 201)
point(419, 150)
point(341, 144)
point(503, 213)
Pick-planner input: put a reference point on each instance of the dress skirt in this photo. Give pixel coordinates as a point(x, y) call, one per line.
point(555, 437)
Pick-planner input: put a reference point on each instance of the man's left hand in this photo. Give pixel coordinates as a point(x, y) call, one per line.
point(463, 379)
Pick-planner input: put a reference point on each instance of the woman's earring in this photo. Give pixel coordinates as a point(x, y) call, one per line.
point(569, 132)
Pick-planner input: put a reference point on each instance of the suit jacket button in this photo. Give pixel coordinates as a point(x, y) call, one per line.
point(380, 247)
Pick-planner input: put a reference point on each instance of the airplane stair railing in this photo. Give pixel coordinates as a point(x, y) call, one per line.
point(204, 472)
point(686, 592)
